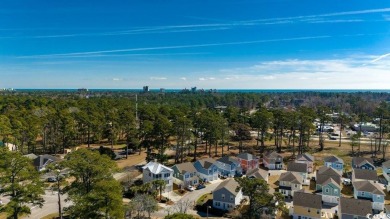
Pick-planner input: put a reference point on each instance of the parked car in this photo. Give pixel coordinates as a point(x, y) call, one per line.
point(347, 181)
point(190, 188)
point(51, 179)
point(200, 186)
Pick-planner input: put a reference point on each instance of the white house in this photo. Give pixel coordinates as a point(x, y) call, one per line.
point(156, 171)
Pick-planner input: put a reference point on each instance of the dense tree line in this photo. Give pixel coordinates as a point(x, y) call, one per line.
point(49, 122)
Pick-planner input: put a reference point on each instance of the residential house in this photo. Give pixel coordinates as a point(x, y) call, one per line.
point(350, 208)
point(290, 182)
point(227, 195)
point(307, 205)
point(308, 159)
point(42, 161)
point(273, 161)
point(300, 168)
point(229, 166)
point(186, 174)
point(334, 162)
point(248, 161)
point(325, 173)
point(363, 163)
point(331, 191)
point(364, 175)
point(258, 173)
point(156, 171)
point(207, 169)
point(386, 167)
point(370, 191)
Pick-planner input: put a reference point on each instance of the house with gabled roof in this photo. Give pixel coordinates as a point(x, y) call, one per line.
point(325, 173)
point(364, 175)
point(248, 161)
point(258, 173)
point(300, 168)
point(334, 162)
point(307, 205)
point(273, 160)
point(363, 163)
point(370, 191)
point(350, 208)
point(156, 171)
point(290, 182)
point(186, 174)
point(330, 191)
point(42, 161)
point(229, 166)
point(308, 159)
point(207, 169)
point(227, 195)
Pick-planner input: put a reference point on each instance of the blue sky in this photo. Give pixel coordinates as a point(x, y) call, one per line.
point(248, 44)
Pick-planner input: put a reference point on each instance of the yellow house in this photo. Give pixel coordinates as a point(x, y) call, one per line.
point(307, 206)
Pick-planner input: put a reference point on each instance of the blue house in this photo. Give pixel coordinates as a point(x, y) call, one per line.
point(331, 191)
point(370, 191)
point(207, 169)
point(363, 163)
point(229, 166)
point(334, 162)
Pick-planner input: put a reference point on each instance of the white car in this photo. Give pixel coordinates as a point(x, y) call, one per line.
point(190, 188)
point(346, 181)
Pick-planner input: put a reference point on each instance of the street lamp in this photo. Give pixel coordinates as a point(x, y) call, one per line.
point(207, 211)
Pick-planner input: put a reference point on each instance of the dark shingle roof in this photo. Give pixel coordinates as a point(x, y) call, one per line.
point(257, 173)
point(365, 174)
point(367, 186)
point(325, 173)
point(228, 160)
point(305, 157)
point(308, 200)
point(360, 161)
point(333, 159)
point(291, 177)
point(43, 159)
point(246, 156)
point(207, 162)
point(297, 167)
point(187, 167)
point(230, 184)
point(356, 207)
point(272, 154)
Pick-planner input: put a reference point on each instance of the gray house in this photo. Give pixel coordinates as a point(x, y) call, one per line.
point(350, 208)
point(325, 173)
point(308, 159)
point(334, 162)
point(185, 174)
point(227, 195)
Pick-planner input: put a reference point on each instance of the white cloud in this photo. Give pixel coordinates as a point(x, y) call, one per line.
point(117, 79)
point(202, 79)
point(269, 77)
point(183, 78)
point(158, 78)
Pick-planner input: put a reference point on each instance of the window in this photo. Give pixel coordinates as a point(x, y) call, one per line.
point(223, 196)
point(296, 186)
point(308, 210)
point(362, 193)
point(299, 217)
point(327, 190)
point(191, 175)
point(335, 191)
point(150, 174)
point(231, 198)
point(281, 183)
point(318, 211)
point(355, 217)
point(217, 204)
point(363, 168)
point(378, 197)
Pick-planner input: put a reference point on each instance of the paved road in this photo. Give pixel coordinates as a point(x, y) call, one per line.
point(50, 206)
